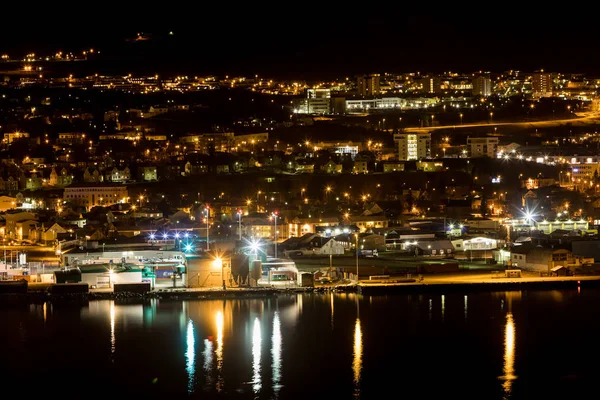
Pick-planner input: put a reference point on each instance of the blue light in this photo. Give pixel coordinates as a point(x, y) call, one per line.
point(177, 235)
point(152, 236)
point(188, 247)
point(165, 235)
point(186, 235)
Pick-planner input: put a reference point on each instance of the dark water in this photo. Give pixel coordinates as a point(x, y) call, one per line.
point(537, 344)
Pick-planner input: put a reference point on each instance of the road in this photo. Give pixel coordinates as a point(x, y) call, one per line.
point(584, 117)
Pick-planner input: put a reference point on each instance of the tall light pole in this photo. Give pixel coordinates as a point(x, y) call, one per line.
point(275, 233)
point(207, 229)
point(356, 235)
point(240, 224)
point(461, 118)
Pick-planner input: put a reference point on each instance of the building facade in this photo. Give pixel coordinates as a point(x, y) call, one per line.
point(482, 86)
point(413, 146)
point(542, 84)
point(368, 85)
point(95, 195)
point(482, 147)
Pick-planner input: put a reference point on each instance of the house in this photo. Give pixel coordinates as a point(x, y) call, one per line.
point(222, 169)
point(331, 167)
point(434, 248)
point(179, 216)
point(7, 203)
point(301, 226)
point(31, 180)
point(92, 177)
point(539, 258)
point(329, 246)
point(195, 168)
point(50, 235)
point(457, 208)
point(360, 167)
point(17, 225)
point(393, 166)
point(365, 222)
point(305, 167)
point(147, 173)
point(60, 180)
point(116, 175)
point(8, 185)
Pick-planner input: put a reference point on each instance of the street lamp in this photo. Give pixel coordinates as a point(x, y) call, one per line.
point(491, 117)
point(356, 235)
point(274, 214)
point(327, 190)
point(207, 228)
point(240, 224)
point(461, 118)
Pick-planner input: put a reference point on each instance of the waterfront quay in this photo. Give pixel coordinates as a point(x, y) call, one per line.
point(446, 283)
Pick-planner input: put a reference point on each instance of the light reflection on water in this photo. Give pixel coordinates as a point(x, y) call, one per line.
point(208, 364)
point(219, 351)
point(112, 331)
point(276, 342)
point(509, 355)
point(256, 350)
point(357, 361)
point(179, 346)
point(190, 355)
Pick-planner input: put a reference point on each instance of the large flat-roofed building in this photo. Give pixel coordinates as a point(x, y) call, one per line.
point(340, 148)
point(482, 147)
point(96, 195)
point(317, 101)
point(12, 136)
point(411, 146)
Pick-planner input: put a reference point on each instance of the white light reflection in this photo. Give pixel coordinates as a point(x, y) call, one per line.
point(112, 331)
point(466, 306)
point(190, 355)
point(332, 310)
point(357, 361)
point(443, 306)
point(430, 308)
point(509, 355)
point(276, 354)
point(219, 352)
point(208, 362)
point(256, 348)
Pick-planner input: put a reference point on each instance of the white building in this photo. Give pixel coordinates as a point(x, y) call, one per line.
point(96, 195)
point(317, 101)
point(413, 146)
point(482, 147)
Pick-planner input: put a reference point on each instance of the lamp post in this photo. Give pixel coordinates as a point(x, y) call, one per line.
point(207, 229)
point(275, 233)
point(461, 116)
point(356, 235)
point(240, 224)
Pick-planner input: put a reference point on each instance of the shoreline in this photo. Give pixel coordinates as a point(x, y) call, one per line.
point(375, 289)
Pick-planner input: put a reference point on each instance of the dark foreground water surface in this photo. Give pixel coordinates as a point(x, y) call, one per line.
point(534, 344)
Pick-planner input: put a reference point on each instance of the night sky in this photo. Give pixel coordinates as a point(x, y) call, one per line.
point(324, 46)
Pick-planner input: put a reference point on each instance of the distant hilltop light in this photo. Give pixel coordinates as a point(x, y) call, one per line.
point(171, 33)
